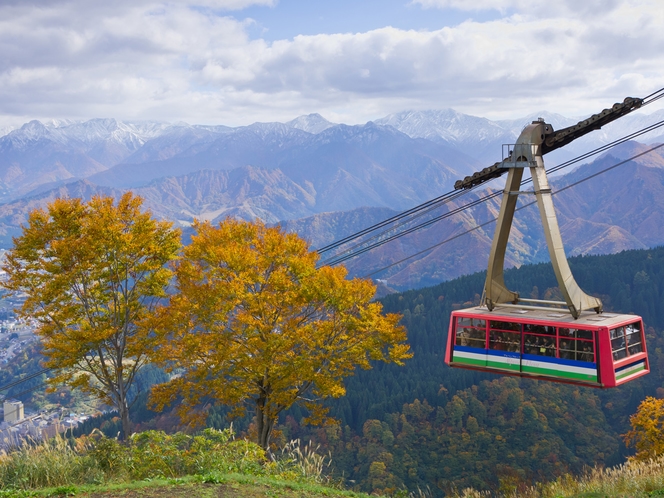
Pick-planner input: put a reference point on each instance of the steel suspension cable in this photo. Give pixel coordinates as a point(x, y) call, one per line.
point(346, 255)
point(383, 223)
point(397, 225)
point(29, 390)
point(517, 209)
point(427, 206)
point(653, 96)
point(24, 379)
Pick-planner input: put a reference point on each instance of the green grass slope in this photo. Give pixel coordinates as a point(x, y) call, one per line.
point(227, 486)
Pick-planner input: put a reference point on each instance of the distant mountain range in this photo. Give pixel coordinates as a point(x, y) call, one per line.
point(328, 180)
point(618, 210)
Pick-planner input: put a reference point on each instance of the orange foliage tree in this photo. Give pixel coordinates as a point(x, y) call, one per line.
point(92, 271)
point(254, 322)
point(647, 432)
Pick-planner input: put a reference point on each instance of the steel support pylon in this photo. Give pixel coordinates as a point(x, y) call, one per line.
point(527, 154)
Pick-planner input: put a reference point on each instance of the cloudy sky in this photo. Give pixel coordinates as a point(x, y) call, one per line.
point(235, 62)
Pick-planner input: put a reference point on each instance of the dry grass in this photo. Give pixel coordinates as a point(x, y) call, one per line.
point(304, 462)
point(632, 479)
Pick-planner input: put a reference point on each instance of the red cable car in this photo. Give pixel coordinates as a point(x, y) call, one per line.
point(594, 350)
point(535, 338)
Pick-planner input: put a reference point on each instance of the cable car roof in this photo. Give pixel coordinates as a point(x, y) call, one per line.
point(587, 318)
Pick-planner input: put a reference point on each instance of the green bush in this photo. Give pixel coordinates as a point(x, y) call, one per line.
point(156, 454)
point(111, 456)
point(151, 454)
point(217, 451)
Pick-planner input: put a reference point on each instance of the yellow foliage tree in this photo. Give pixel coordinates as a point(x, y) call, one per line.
point(254, 322)
point(647, 432)
point(91, 272)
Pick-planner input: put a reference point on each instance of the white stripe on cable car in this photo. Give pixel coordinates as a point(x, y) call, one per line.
point(559, 366)
point(635, 369)
point(527, 363)
point(629, 377)
point(470, 356)
point(639, 364)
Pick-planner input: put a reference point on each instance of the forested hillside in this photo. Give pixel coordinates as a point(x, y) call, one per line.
point(428, 425)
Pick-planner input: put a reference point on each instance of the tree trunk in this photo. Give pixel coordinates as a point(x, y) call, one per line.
point(264, 425)
point(124, 417)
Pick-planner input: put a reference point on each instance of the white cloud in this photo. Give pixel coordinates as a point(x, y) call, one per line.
point(117, 5)
point(540, 8)
point(172, 61)
point(477, 5)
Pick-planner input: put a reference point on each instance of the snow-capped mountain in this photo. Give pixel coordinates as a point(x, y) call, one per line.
point(311, 123)
point(482, 138)
point(331, 174)
point(4, 130)
point(447, 124)
point(88, 133)
point(478, 137)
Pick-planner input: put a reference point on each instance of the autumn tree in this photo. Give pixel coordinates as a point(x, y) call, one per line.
point(91, 272)
point(647, 432)
point(254, 322)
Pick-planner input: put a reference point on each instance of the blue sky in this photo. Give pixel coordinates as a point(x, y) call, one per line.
point(235, 62)
point(290, 18)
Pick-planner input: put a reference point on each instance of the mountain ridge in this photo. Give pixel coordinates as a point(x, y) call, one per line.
point(328, 176)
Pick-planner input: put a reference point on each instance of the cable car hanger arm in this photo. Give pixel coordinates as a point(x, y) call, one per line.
point(534, 141)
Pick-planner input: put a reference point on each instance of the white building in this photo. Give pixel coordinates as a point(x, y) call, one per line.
point(13, 411)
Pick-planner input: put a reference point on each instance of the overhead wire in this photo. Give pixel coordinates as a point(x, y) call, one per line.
point(477, 227)
point(24, 379)
point(386, 222)
point(349, 254)
point(423, 208)
point(415, 216)
point(653, 97)
point(29, 390)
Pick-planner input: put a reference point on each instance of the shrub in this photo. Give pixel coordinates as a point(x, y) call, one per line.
point(111, 456)
point(157, 454)
point(152, 454)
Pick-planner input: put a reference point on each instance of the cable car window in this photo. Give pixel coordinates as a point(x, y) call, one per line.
point(539, 345)
point(471, 322)
point(539, 329)
point(634, 338)
point(618, 343)
point(471, 336)
point(504, 341)
point(576, 333)
point(571, 349)
point(567, 349)
point(505, 325)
